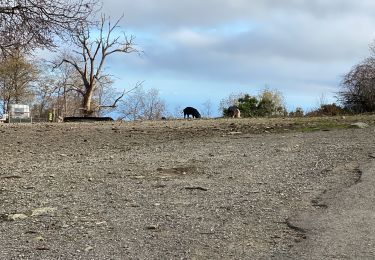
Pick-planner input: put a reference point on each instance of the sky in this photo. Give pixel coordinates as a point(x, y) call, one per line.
point(198, 51)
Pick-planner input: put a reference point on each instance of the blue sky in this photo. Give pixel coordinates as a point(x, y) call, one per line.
point(196, 51)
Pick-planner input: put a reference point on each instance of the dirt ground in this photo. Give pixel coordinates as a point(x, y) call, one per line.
point(179, 189)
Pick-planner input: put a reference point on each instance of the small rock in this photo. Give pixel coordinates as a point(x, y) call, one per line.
point(89, 248)
point(152, 227)
point(38, 238)
point(42, 211)
point(360, 125)
point(283, 149)
point(42, 248)
point(235, 133)
point(31, 232)
point(137, 177)
point(19, 216)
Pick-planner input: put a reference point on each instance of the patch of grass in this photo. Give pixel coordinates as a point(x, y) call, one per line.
point(322, 126)
point(311, 124)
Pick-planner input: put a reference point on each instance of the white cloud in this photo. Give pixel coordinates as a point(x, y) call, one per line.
point(299, 46)
point(171, 13)
point(190, 38)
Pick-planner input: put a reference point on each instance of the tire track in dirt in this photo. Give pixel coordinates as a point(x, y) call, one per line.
point(341, 226)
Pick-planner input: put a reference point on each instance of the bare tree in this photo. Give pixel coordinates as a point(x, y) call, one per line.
point(90, 59)
point(154, 107)
point(105, 94)
point(143, 105)
point(53, 90)
point(177, 111)
point(68, 81)
point(34, 23)
point(231, 100)
point(45, 91)
point(358, 87)
point(207, 108)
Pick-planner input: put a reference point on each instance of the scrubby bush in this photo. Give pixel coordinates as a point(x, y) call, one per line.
point(297, 113)
point(267, 103)
point(328, 110)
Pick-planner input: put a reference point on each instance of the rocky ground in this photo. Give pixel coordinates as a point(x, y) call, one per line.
point(181, 189)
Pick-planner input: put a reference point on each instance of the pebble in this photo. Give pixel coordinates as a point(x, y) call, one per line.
point(152, 227)
point(89, 248)
point(360, 125)
point(18, 216)
point(38, 238)
point(42, 211)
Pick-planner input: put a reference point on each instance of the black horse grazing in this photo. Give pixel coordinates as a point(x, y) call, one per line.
point(191, 111)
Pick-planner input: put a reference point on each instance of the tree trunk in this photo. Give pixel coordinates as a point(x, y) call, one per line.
point(87, 110)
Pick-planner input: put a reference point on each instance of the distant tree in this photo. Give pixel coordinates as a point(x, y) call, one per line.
point(89, 56)
point(267, 103)
point(69, 83)
point(106, 94)
point(207, 108)
point(231, 100)
point(29, 24)
point(143, 105)
point(177, 111)
point(54, 91)
point(358, 87)
point(17, 77)
point(248, 106)
point(297, 113)
point(271, 103)
point(45, 91)
point(265, 107)
point(154, 106)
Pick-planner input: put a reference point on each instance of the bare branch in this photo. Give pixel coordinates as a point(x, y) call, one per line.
point(114, 105)
point(90, 62)
point(30, 24)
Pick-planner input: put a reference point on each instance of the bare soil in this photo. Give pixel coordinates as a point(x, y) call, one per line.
point(181, 189)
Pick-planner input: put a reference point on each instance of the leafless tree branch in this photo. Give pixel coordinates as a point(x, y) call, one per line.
point(34, 23)
point(90, 62)
point(114, 105)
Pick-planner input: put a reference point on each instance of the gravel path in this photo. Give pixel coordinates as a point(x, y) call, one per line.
point(344, 229)
point(202, 189)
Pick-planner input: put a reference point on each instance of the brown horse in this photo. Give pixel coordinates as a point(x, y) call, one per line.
point(234, 112)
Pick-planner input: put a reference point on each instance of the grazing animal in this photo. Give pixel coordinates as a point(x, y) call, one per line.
point(234, 112)
point(191, 111)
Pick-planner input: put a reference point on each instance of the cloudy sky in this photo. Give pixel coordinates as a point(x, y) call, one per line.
point(195, 50)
